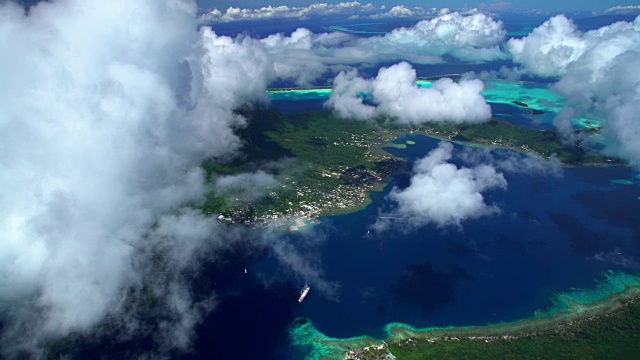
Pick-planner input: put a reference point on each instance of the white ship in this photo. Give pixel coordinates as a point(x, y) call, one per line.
point(304, 292)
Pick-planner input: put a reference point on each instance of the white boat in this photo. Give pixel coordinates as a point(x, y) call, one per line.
point(304, 292)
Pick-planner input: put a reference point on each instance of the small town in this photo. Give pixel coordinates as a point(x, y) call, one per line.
point(308, 204)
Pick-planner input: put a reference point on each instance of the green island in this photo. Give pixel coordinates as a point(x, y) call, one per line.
point(599, 323)
point(326, 165)
point(323, 165)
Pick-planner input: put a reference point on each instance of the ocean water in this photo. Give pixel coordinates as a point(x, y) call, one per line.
point(550, 237)
point(554, 235)
point(500, 94)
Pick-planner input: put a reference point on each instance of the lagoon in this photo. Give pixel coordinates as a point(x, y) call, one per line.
point(500, 94)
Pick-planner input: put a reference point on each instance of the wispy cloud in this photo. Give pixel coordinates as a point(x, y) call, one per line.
point(303, 56)
point(512, 162)
point(494, 5)
point(251, 185)
point(616, 257)
point(623, 9)
point(104, 129)
point(303, 262)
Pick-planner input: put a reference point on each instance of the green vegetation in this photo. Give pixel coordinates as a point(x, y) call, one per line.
point(611, 336)
point(602, 322)
point(333, 162)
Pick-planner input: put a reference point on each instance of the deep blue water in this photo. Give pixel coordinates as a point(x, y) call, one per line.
point(496, 268)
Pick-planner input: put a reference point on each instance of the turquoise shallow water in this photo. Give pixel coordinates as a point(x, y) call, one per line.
point(553, 244)
point(500, 94)
point(357, 29)
point(524, 31)
point(321, 94)
point(319, 345)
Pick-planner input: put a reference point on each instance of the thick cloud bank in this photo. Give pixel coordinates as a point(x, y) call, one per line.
point(442, 194)
point(598, 72)
point(106, 112)
point(628, 9)
point(549, 48)
point(394, 93)
point(304, 56)
point(475, 37)
point(558, 43)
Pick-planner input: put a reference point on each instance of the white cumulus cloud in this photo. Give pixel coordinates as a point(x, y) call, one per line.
point(394, 93)
point(610, 92)
point(441, 193)
point(549, 48)
point(475, 37)
point(597, 72)
point(555, 45)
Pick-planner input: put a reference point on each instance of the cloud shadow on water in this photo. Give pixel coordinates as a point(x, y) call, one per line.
point(582, 240)
point(428, 289)
point(606, 205)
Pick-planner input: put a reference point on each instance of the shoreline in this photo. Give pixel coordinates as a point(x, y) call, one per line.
point(349, 196)
point(518, 150)
point(389, 143)
point(612, 293)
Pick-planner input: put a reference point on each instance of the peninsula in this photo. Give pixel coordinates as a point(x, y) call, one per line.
point(603, 322)
point(333, 163)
